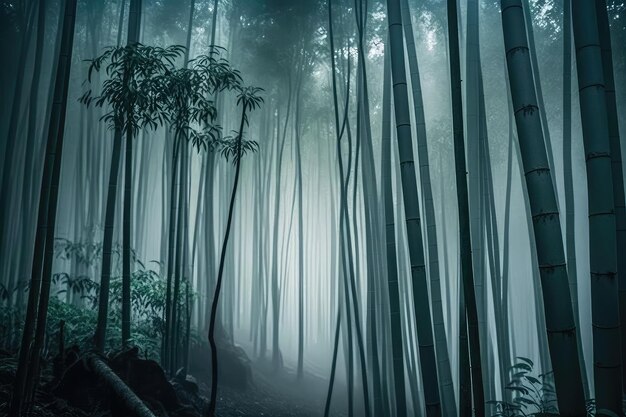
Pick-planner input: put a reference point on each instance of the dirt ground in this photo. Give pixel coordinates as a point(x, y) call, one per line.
point(270, 394)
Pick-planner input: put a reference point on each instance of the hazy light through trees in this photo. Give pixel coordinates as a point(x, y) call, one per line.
point(373, 163)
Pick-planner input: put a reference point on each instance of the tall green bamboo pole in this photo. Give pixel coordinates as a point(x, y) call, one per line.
point(421, 300)
point(392, 259)
point(441, 345)
point(105, 277)
point(600, 193)
point(134, 21)
point(220, 272)
point(559, 317)
point(39, 292)
point(298, 139)
point(568, 181)
point(467, 273)
point(373, 223)
point(616, 167)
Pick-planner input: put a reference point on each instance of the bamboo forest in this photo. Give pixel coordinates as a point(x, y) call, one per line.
point(312, 208)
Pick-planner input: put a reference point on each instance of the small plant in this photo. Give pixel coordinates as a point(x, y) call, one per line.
point(147, 302)
point(532, 395)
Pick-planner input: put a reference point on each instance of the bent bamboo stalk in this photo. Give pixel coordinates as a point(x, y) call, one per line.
point(128, 398)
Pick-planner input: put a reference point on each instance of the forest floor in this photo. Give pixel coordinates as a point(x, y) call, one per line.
point(269, 394)
point(274, 395)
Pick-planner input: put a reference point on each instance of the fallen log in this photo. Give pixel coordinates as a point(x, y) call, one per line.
point(126, 397)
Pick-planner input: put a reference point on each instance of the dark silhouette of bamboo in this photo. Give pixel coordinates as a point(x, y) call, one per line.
point(134, 20)
point(441, 347)
point(107, 244)
point(300, 366)
point(601, 200)
point(275, 287)
point(372, 216)
point(28, 359)
point(559, 318)
point(428, 362)
point(392, 260)
point(27, 195)
point(568, 181)
point(333, 366)
point(11, 141)
point(467, 274)
point(126, 238)
point(220, 271)
point(617, 169)
point(109, 220)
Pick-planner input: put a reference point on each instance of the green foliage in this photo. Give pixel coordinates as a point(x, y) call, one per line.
point(147, 294)
point(533, 395)
point(249, 98)
point(10, 323)
point(80, 285)
point(79, 324)
point(132, 90)
point(6, 293)
point(145, 88)
point(147, 301)
point(187, 95)
point(232, 147)
point(80, 316)
point(88, 253)
point(148, 291)
point(229, 147)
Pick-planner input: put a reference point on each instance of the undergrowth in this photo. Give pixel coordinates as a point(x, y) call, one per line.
point(529, 394)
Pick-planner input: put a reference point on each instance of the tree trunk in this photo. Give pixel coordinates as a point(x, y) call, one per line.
point(107, 244)
point(28, 360)
point(560, 324)
point(27, 197)
point(276, 355)
point(600, 194)
point(467, 273)
point(166, 350)
point(430, 380)
point(300, 237)
point(506, 233)
point(616, 168)
point(109, 220)
point(132, 404)
point(220, 271)
point(333, 366)
point(392, 261)
point(11, 141)
point(134, 21)
point(120, 23)
point(539, 91)
point(177, 261)
point(373, 219)
point(441, 345)
point(475, 168)
point(498, 290)
point(126, 238)
point(568, 181)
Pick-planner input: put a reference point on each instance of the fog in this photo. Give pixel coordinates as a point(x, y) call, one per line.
point(384, 224)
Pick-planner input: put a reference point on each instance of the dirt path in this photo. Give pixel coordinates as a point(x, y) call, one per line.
point(275, 395)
